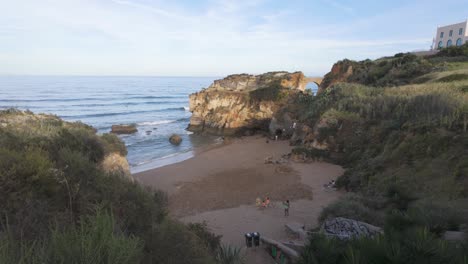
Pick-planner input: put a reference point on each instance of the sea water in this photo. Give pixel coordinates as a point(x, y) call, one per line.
point(157, 105)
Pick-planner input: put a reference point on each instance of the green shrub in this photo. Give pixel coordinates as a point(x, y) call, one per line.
point(112, 143)
point(229, 255)
point(273, 92)
point(311, 152)
point(172, 242)
point(323, 250)
point(51, 184)
point(417, 246)
point(351, 207)
point(454, 51)
point(96, 240)
point(211, 241)
point(436, 216)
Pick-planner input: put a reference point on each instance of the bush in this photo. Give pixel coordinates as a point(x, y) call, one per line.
point(211, 241)
point(311, 152)
point(112, 143)
point(411, 246)
point(95, 240)
point(274, 92)
point(172, 242)
point(229, 255)
point(436, 216)
point(51, 184)
point(351, 207)
point(453, 51)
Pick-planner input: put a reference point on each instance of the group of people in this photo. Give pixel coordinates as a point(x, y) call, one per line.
point(266, 203)
point(263, 204)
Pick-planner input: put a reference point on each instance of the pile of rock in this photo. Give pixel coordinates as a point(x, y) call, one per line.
point(282, 160)
point(344, 228)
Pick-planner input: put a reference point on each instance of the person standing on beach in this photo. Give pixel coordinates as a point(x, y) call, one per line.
point(286, 208)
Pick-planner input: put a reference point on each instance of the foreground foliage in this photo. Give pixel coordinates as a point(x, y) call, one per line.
point(60, 206)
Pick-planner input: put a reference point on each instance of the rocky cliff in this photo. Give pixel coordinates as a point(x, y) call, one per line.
point(242, 103)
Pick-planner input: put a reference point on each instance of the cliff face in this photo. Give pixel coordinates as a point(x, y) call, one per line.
point(340, 72)
point(242, 102)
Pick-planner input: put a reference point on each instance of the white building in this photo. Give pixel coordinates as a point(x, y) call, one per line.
point(451, 35)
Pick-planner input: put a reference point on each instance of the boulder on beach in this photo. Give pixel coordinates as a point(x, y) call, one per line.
point(124, 129)
point(175, 139)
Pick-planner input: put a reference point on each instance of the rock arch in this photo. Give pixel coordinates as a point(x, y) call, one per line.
point(316, 80)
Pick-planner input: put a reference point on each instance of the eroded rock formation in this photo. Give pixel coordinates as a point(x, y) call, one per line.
point(242, 102)
point(340, 72)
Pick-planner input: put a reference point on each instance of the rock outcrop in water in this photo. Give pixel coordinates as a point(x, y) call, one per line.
point(124, 129)
point(242, 103)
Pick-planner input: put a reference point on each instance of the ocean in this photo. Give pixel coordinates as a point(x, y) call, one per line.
point(157, 105)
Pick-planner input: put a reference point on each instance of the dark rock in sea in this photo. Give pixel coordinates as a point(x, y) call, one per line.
point(175, 139)
point(149, 132)
point(124, 129)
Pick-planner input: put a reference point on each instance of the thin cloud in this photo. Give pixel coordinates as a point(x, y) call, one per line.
point(219, 37)
point(348, 9)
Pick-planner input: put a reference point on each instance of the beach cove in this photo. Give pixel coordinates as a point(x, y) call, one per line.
point(220, 186)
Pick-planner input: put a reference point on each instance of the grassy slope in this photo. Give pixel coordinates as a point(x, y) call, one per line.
point(400, 127)
point(59, 206)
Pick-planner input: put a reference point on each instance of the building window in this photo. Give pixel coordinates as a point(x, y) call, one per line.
point(441, 34)
point(449, 43)
point(441, 44)
point(459, 42)
point(450, 33)
point(460, 31)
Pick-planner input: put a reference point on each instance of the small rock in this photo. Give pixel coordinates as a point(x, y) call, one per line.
point(269, 160)
point(148, 132)
point(175, 139)
point(124, 129)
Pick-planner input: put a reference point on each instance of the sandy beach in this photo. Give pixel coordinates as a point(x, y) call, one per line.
point(220, 186)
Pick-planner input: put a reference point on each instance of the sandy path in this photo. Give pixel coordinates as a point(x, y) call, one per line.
point(220, 186)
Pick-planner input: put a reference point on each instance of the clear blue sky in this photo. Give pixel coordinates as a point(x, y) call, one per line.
point(211, 37)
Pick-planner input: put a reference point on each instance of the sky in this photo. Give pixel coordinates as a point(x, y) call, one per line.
point(211, 37)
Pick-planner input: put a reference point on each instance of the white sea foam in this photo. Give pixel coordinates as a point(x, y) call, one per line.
point(186, 108)
point(155, 123)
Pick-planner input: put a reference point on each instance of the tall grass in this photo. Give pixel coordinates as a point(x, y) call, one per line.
point(95, 240)
point(416, 246)
point(229, 255)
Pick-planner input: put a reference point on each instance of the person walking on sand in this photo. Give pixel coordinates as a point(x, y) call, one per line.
point(286, 208)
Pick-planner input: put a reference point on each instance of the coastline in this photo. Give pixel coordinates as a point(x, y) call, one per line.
point(177, 157)
point(219, 186)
